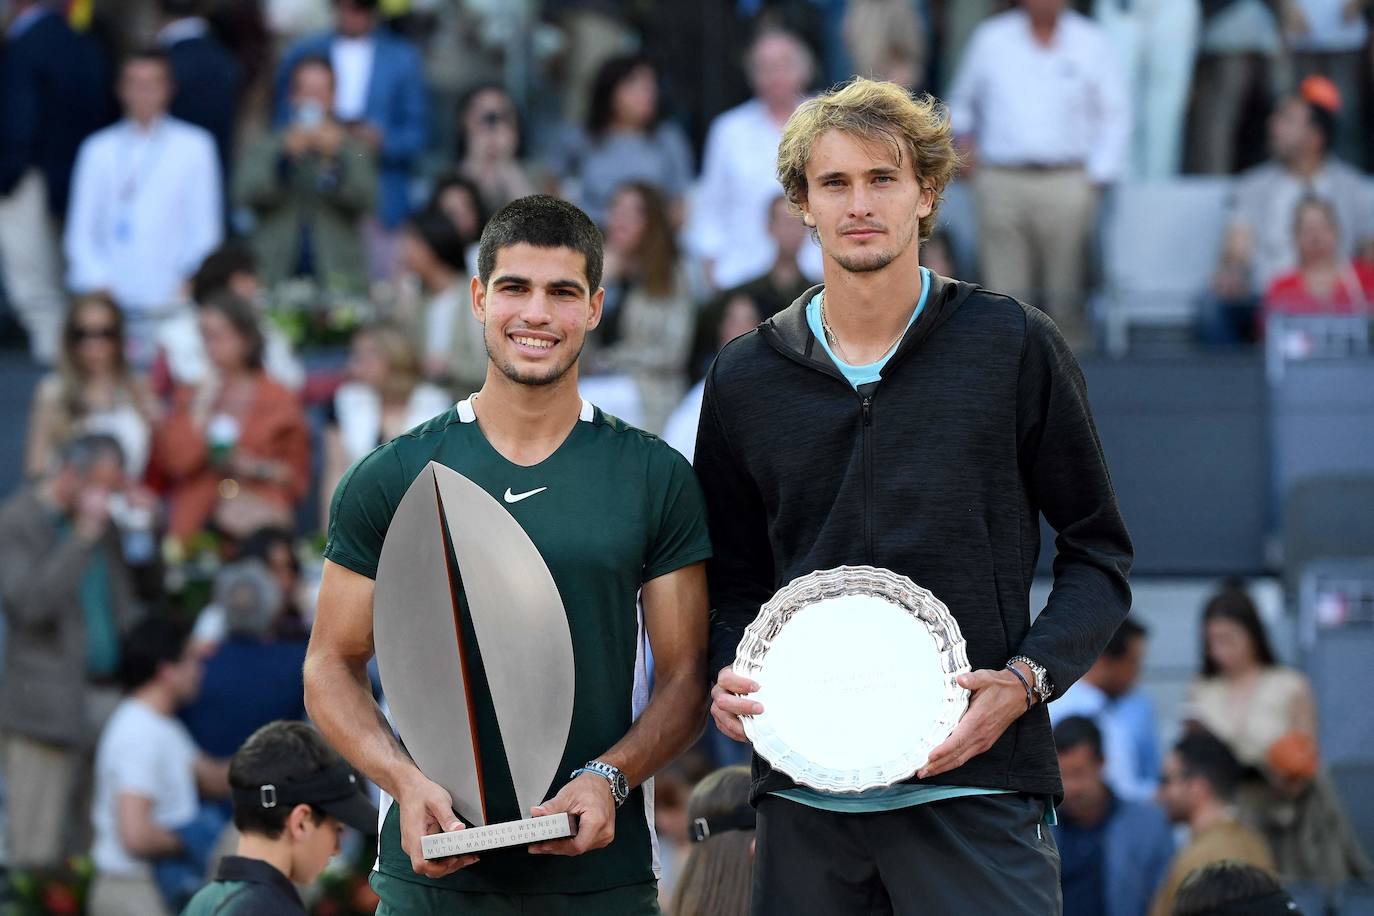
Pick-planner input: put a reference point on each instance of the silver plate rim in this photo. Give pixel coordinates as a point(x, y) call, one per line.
point(843, 581)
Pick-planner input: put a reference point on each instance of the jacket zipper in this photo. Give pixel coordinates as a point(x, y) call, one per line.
point(866, 408)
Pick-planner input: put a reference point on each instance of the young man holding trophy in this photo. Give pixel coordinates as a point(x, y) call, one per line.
point(555, 491)
point(895, 427)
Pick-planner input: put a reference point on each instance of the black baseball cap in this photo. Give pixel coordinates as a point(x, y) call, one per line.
point(336, 791)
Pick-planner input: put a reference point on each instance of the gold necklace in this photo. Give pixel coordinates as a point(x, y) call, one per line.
point(834, 341)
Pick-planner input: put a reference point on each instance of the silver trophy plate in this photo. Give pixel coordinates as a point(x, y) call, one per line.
point(856, 668)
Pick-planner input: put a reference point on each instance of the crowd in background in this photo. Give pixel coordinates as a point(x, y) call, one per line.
point(204, 203)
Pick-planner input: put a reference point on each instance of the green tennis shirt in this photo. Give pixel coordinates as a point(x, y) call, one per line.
point(612, 508)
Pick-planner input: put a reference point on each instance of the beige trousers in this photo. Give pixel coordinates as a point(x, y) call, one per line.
point(1034, 226)
point(124, 895)
point(32, 265)
point(40, 780)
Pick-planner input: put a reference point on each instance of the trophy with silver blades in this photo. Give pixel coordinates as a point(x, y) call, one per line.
point(525, 645)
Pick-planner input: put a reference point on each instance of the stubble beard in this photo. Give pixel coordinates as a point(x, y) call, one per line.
point(512, 372)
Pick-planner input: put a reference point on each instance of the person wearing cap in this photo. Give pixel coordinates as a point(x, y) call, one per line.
point(1259, 245)
point(292, 798)
point(1230, 888)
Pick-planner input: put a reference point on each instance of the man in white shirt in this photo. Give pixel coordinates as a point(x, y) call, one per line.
point(149, 774)
point(1040, 107)
point(728, 227)
point(145, 206)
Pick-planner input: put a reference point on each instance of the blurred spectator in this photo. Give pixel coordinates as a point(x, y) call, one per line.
point(626, 139)
point(145, 207)
point(1260, 238)
point(235, 448)
point(728, 225)
point(289, 836)
point(1040, 107)
point(231, 268)
point(671, 790)
point(1198, 788)
point(149, 774)
point(1233, 889)
point(458, 197)
point(1113, 851)
point(93, 390)
point(311, 186)
point(1236, 53)
point(717, 878)
point(67, 596)
point(1156, 42)
point(735, 315)
point(435, 254)
point(1109, 696)
point(784, 282)
point(1265, 714)
point(385, 396)
point(380, 95)
point(1327, 282)
point(885, 40)
point(647, 317)
point(54, 89)
point(275, 549)
point(1329, 37)
point(489, 149)
point(251, 678)
point(205, 75)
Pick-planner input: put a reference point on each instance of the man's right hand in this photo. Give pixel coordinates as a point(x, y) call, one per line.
point(427, 808)
point(729, 701)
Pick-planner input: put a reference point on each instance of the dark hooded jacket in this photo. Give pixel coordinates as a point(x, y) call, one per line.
point(939, 472)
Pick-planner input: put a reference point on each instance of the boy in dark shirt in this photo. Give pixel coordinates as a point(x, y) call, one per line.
point(292, 798)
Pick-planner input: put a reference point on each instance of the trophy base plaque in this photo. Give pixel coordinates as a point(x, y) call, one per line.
point(499, 836)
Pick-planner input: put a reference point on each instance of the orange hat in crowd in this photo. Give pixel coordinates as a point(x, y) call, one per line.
point(1320, 91)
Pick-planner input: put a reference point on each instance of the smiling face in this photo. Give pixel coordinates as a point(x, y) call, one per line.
point(864, 200)
point(536, 311)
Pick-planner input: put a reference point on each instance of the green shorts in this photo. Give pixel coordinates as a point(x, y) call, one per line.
point(408, 898)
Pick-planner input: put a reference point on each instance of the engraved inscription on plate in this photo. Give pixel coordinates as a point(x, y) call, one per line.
point(495, 836)
point(857, 667)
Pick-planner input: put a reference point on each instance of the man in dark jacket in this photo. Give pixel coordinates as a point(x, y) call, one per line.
point(54, 92)
point(899, 419)
point(205, 73)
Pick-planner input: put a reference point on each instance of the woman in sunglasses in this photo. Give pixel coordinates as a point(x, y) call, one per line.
point(92, 390)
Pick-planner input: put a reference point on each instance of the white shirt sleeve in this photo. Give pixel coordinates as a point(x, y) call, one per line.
point(967, 86)
point(87, 267)
point(704, 230)
point(204, 205)
point(137, 760)
point(1107, 161)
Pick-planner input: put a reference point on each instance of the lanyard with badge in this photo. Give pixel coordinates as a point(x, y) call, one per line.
point(132, 182)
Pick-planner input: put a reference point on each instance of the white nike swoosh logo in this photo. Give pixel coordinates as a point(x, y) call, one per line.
point(516, 497)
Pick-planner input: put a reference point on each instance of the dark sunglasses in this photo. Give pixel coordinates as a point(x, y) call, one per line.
point(105, 333)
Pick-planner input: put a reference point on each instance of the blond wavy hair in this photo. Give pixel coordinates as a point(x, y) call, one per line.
point(876, 112)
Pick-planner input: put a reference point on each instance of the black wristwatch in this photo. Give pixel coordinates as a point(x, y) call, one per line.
point(620, 786)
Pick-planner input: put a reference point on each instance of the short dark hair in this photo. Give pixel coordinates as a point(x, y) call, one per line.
point(279, 752)
point(1078, 731)
point(82, 453)
point(148, 55)
point(312, 60)
point(1325, 121)
point(1120, 642)
point(455, 180)
point(544, 222)
point(1219, 887)
point(241, 315)
point(219, 267)
point(441, 236)
point(153, 642)
point(1203, 755)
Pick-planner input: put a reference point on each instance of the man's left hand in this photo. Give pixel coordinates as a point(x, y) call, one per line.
point(999, 699)
point(588, 797)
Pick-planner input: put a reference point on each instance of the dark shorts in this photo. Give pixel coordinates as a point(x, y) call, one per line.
point(409, 898)
point(981, 854)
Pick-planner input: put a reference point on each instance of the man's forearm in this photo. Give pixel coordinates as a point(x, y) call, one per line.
point(671, 722)
point(338, 697)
